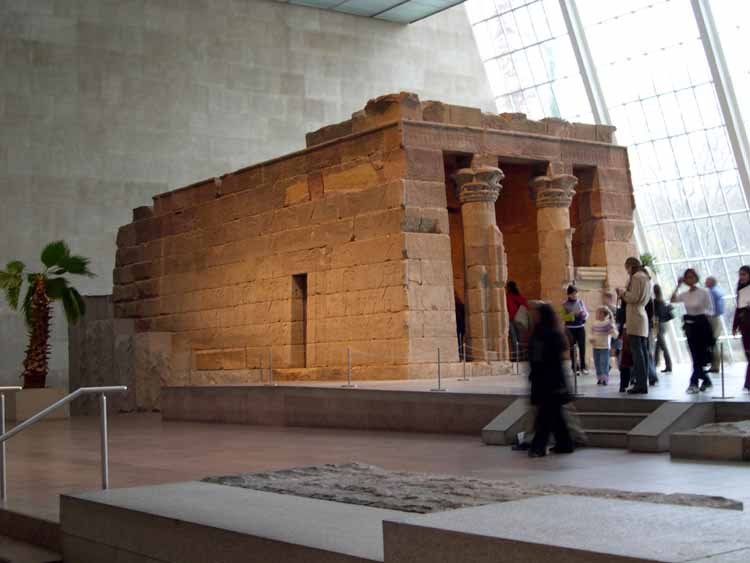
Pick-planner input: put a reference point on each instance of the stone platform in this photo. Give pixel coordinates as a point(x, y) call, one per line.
point(616, 421)
point(542, 529)
point(197, 522)
point(728, 441)
point(329, 407)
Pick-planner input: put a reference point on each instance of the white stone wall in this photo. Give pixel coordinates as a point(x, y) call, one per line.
point(104, 103)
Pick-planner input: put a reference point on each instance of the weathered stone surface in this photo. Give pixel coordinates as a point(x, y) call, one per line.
point(385, 221)
point(421, 493)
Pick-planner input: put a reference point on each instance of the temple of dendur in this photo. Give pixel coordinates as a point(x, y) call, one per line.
point(367, 239)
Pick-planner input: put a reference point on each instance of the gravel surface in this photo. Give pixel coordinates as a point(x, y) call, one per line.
point(741, 428)
point(368, 485)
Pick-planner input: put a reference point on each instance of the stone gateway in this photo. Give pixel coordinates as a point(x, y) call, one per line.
point(368, 239)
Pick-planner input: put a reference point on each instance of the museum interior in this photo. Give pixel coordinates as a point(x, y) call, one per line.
point(391, 281)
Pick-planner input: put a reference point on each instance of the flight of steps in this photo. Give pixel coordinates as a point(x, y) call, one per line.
point(608, 421)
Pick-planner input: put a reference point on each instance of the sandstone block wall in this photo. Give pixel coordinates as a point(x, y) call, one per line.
point(360, 220)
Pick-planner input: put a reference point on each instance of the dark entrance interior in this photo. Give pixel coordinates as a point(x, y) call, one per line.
point(516, 218)
point(580, 216)
point(299, 320)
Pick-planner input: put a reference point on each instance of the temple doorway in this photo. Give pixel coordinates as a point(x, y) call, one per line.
point(517, 220)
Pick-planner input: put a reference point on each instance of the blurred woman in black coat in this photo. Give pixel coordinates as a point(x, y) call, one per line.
point(549, 390)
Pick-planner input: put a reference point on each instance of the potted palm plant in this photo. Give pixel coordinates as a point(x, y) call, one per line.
point(44, 287)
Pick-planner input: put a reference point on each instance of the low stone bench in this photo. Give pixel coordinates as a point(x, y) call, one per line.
point(726, 441)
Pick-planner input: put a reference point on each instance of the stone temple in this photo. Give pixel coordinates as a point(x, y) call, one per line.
point(366, 240)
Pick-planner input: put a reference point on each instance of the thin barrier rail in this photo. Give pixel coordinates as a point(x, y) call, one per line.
point(463, 347)
point(5, 436)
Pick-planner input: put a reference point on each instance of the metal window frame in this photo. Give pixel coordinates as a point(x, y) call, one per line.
point(724, 90)
point(599, 108)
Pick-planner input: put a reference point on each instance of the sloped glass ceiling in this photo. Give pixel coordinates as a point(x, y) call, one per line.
point(402, 11)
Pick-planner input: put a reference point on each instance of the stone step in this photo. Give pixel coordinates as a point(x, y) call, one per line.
point(617, 404)
point(611, 420)
point(607, 438)
point(14, 551)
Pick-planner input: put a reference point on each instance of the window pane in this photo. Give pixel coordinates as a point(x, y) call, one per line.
point(742, 227)
point(726, 234)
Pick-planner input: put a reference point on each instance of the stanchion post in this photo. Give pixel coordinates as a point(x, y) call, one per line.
point(440, 386)
point(463, 360)
point(349, 369)
point(721, 363)
point(105, 446)
point(270, 367)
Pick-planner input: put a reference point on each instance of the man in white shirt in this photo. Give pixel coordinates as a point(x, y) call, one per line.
point(636, 296)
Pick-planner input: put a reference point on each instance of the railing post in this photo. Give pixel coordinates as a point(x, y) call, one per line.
point(439, 375)
point(270, 367)
point(105, 450)
point(3, 486)
point(349, 384)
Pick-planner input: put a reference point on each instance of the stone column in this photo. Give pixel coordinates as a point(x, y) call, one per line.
point(553, 196)
point(484, 262)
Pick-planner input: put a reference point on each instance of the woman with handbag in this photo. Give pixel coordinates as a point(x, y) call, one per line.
point(741, 322)
point(549, 390)
point(663, 315)
point(700, 336)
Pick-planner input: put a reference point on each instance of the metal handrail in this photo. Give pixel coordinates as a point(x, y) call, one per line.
point(5, 436)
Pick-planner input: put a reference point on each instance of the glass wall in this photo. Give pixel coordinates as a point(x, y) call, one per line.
point(660, 95)
point(528, 57)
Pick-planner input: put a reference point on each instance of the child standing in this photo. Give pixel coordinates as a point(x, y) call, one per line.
point(574, 314)
point(602, 332)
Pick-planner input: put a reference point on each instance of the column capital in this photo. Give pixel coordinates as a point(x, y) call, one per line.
point(553, 191)
point(479, 183)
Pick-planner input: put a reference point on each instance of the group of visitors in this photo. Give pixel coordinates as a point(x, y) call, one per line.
point(624, 332)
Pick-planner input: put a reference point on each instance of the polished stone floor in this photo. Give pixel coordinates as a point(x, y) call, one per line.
point(63, 456)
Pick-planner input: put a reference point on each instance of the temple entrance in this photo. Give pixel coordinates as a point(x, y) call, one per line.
point(299, 320)
point(580, 221)
point(517, 218)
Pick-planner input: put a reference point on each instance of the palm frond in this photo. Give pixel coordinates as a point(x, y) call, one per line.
point(55, 253)
point(56, 288)
point(15, 267)
point(71, 305)
point(74, 264)
point(11, 280)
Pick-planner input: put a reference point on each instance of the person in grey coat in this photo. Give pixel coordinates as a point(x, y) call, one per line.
point(636, 296)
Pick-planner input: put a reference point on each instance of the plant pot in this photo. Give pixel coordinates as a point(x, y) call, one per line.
point(34, 381)
point(25, 403)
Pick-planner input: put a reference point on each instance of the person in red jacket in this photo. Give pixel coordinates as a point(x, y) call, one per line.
point(515, 301)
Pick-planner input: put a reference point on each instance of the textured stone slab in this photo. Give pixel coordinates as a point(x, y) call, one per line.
point(568, 529)
point(369, 485)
